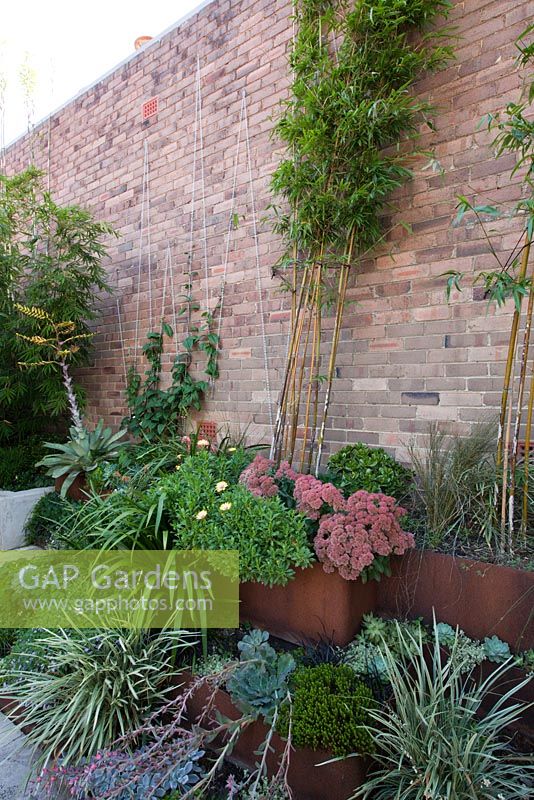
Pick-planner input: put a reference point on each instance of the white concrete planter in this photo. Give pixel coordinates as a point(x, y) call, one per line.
point(15, 508)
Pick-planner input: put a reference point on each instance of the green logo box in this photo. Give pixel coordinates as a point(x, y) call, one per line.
point(119, 589)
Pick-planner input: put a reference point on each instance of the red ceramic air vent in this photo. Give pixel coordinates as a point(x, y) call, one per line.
point(207, 430)
point(150, 107)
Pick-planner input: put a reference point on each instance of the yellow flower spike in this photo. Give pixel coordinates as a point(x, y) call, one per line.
point(33, 311)
point(34, 363)
point(33, 339)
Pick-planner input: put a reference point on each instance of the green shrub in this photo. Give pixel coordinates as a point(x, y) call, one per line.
point(271, 539)
point(82, 689)
point(436, 743)
point(48, 518)
point(50, 257)
point(358, 466)
point(17, 466)
point(196, 507)
point(329, 711)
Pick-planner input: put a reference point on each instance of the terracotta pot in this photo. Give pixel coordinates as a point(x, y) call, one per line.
point(314, 605)
point(336, 781)
point(76, 490)
point(482, 599)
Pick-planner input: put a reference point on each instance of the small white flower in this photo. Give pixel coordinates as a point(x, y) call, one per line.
point(221, 486)
point(203, 443)
point(202, 514)
point(225, 506)
point(232, 449)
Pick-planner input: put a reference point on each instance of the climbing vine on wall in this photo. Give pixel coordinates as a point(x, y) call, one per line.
point(157, 412)
point(351, 107)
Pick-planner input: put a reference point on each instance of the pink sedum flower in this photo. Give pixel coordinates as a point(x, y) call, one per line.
point(312, 494)
point(369, 527)
point(257, 479)
point(286, 471)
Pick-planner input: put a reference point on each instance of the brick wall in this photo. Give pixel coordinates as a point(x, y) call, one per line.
point(405, 356)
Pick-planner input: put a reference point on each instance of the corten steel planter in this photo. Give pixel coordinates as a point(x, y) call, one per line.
point(308, 781)
point(482, 599)
point(525, 695)
point(77, 490)
point(314, 605)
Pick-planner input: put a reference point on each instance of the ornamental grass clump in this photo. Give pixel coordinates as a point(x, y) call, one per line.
point(79, 690)
point(445, 736)
point(359, 541)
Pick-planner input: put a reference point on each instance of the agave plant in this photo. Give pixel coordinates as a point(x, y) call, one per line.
point(81, 454)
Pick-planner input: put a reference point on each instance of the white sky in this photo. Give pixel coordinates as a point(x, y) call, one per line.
point(68, 46)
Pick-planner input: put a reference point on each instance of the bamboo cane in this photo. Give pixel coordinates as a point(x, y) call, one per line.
point(343, 280)
point(298, 395)
point(315, 390)
point(528, 433)
point(342, 291)
point(278, 434)
point(285, 438)
point(510, 357)
point(505, 468)
point(316, 337)
point(519, 406)
point(296, 384)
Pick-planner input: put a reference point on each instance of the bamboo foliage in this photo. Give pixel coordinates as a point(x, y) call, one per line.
point(354, 64)
point(513, 280)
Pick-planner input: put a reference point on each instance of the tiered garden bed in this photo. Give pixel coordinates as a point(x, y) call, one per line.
point(482, 599)
point(307, 778)
point(314, 605)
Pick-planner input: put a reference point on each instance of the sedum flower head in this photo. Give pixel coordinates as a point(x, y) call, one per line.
point(368, 527)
